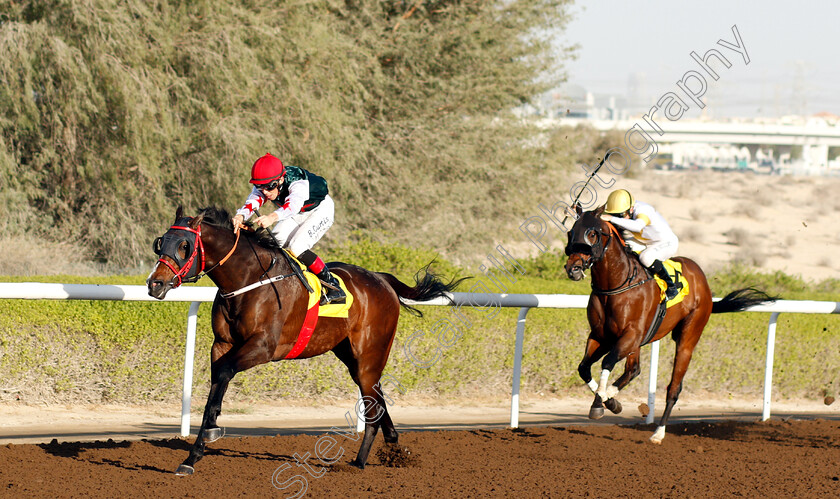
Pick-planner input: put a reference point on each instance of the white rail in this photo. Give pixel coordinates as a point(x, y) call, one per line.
point(196, 295)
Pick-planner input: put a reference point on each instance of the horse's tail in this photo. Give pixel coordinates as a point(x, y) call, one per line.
point(741, 299)
point(426, 287)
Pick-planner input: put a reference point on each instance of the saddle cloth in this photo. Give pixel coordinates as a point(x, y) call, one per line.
point(315, 310)
point(675, 271)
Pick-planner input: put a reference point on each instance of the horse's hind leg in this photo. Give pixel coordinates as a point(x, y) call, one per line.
point(375, 409)
point(688, 336)
point(389, 432)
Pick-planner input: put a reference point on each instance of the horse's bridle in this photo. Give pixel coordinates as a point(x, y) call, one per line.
point(596, 251)
point(191, 268)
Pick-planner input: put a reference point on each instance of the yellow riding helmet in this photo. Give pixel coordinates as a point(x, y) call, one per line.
point(619, 201)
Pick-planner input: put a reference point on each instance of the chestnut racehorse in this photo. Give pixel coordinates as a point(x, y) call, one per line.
point(255, 323)
point(623, 304)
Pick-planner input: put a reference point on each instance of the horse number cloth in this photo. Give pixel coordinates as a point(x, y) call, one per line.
point(314, 310)
point(675, 271)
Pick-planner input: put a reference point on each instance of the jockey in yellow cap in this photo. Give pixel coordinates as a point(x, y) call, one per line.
point(646, 231)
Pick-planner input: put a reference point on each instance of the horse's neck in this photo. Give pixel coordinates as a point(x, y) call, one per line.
point(227, 258)
point(249, 263)
point(614, 269)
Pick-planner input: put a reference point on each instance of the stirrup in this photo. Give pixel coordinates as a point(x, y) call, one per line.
point(338, 297)
point(672, 292)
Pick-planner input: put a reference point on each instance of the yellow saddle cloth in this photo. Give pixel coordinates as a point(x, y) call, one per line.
point(675, 271)
point(314, 310)
point(333, 309)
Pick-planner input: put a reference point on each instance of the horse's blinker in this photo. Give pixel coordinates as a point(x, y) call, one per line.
point(169, 245)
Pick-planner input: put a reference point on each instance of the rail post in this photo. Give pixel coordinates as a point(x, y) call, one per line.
point(654, 366)
point(189, 359)
point(768, 365)
point(517, 367)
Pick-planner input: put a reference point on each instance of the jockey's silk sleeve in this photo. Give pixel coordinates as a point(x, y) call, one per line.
point(252, 204)
point(631, 225)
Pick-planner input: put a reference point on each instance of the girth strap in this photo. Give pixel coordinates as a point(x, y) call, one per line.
point(657, 321)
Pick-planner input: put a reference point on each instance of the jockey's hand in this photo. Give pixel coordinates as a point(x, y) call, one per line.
point(267, 220)
point(237, 222)
point(606, 217)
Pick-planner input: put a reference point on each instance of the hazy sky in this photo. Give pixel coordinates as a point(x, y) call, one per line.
point(794, 51)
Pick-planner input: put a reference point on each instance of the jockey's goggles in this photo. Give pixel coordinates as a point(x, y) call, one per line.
point(269, 186)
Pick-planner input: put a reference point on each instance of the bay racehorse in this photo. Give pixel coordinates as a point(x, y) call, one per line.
point(254, 323)
point(624, 302)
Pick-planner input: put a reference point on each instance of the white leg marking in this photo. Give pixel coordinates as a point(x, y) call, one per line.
point(658, 435)
point(593, 386)
point(602, 387)
point(612, 391)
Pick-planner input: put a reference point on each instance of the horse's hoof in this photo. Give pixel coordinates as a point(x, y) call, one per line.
point(596, 413)
point(658, 435)
point(358, 464)
point(213, 434)
point(184, 470)
point(613, 405)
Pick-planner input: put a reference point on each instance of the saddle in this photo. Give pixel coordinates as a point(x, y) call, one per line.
point(675, 270)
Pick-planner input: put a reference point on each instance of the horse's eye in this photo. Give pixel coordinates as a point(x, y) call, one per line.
point(183, 249)
point(157, 246)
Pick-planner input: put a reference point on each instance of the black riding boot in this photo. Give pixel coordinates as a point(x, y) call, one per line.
point(673, 288)
point(332, 293)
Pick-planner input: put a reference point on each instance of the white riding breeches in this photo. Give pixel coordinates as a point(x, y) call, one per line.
point(300, 232)
point(660, 250)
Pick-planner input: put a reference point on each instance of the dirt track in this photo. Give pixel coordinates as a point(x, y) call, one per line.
point(771, 459)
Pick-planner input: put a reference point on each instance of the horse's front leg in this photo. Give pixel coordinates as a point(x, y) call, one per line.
point(632, 368)
point(594, 351)
point(209, 431)
point(624, 348)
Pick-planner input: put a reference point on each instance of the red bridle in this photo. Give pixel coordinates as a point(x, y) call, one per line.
point(183, 273)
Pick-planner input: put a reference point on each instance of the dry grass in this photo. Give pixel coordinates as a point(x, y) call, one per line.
point(766, 198)
point(27, 256)
point(692, 233)
point(748, 209)
point(697, 214)
point(750, 255)
point(739, 237)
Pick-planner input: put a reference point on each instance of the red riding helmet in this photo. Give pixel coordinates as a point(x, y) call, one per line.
point(266, 169)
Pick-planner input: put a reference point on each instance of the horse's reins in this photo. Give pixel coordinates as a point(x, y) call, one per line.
point(223, 260)
point(621, 288)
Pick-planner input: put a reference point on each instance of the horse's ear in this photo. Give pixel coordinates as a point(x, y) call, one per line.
point(179, 212)
point(578, 209)
point(600, 210)
point(196, 220)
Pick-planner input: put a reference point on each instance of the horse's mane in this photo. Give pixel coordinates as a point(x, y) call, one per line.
point(218, 217)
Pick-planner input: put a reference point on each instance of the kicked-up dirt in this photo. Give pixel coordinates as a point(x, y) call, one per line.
point(776, 458)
